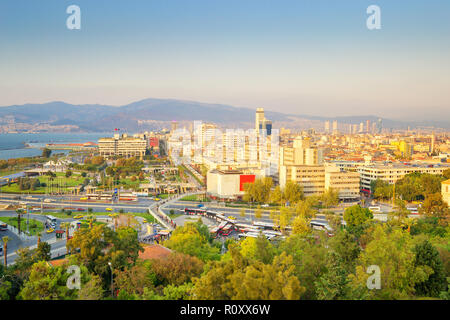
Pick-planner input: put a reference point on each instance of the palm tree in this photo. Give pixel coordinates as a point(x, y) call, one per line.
point(39, 234)
point(5, 246)
point(66, 225)
point(19, 216)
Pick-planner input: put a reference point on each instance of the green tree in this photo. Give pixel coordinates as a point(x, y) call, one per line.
point(427, 255)
point(46, 153)
point(92, 289)
point(259, 249)
point(68, 173)
point(330, 198)
point(393, 253)
point(381, 189)
point(240, 278)
point(334, 284)
point(309, 258)
point(355, 216)
point(187, 239)
point(293, 192)
point(301, 226)
point(434, 206)
point(258, 212)
point(276, 195)
point(5, 240)
point(42, 252)
point(47, 283)
point(177, 268)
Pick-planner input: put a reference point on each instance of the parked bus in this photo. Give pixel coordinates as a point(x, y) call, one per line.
point(375, 209)
point(413, 210)
point(264, 225)
point(3, 227)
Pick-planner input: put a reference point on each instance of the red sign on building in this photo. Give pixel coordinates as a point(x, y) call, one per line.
point(245, 178)
point(154, 142)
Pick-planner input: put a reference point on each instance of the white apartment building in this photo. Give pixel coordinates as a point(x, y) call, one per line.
point(391, 172)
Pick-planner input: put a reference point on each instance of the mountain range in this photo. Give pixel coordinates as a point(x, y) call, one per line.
point(151, 114)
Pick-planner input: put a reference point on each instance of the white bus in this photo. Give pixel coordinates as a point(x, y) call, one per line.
point(51, 220)
point(375, 209)
point(264, 225)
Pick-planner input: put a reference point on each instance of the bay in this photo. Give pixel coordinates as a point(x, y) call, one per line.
point(12, 145)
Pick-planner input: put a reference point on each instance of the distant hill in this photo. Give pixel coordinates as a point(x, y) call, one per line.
point(156, 113)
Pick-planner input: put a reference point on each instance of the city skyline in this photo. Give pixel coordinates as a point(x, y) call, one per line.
point(316, 59)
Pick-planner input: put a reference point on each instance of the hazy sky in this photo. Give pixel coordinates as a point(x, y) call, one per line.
point(304, 57)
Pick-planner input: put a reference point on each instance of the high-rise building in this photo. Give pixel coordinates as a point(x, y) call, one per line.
point(327, 126)
point(261, 123)
point(301, 153)
point(259, 119)
point(335, 126)
point(174, 126)
point(368, 126)
point(433, 142)
point(379, 126)
point(361, 127)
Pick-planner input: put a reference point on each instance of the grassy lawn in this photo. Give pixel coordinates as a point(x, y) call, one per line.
point(8, 172)
point(195, 197)
point(65, 183)
point(61, 215)
point(35, 226)
point(163, 196)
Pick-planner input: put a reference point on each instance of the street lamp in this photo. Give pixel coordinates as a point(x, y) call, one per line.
point(112, 283)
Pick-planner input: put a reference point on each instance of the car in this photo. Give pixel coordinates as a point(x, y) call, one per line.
point(144, 220)
point(81, 209)
point(36, 209)
point(50, 230)
point(231, 217)
point(112, 215)
point(265, 205)
point(78, 216)
point(83, 198)
point(157, 199)
point(109, 209)
point(3, 227)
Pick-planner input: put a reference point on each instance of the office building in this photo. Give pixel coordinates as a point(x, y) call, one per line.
point(122, 146)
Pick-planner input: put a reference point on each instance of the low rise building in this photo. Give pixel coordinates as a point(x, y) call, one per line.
point(347, 183)
point(311, 178)
point(227, 183)
point(391, 172)
point(446, 191)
